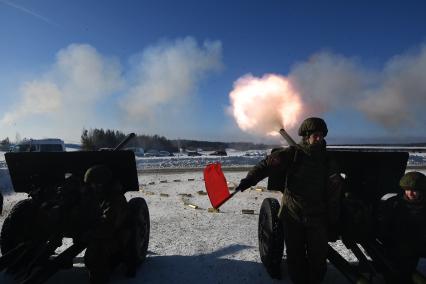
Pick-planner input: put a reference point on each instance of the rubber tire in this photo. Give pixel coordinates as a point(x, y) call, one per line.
point(140, 228)
point(271, 237)
point(18, 225)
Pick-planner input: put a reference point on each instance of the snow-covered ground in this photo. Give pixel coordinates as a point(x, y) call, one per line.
point(191, 245)
point(234, 159)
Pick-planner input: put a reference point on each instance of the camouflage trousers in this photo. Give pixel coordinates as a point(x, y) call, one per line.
point(306, 247)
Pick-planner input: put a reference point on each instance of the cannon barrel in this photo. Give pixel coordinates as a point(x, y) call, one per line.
point(287, 137)
point(125, 141)
point(290, 141)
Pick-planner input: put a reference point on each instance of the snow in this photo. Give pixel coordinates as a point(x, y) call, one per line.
point(191, 245)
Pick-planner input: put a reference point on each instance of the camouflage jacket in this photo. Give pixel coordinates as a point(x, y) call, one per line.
point(303, 180)
point(401, 220)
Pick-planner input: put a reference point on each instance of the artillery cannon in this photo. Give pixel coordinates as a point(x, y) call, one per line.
point(367, 177)
point(58, 207)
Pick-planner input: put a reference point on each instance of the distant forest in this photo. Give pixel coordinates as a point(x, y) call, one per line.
point(95, 139)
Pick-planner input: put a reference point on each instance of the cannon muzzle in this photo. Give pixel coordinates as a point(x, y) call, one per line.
point(125, 141)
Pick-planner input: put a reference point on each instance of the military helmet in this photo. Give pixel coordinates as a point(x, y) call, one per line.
point(413, 180)
point(98, 174)
point(311, 125)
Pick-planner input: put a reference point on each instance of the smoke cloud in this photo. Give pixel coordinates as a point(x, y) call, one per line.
point(400, 97)
point(391, 97)
point(38, 97)
point(66, 94)
point(264, 105)
point(327, 81)
point(166, 76)
point(158, 82)
point(161, 82)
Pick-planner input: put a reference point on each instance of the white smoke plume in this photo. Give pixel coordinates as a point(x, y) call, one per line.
point(66, 94)
point(39, 97)
point(165, 77)
point(326, 82)
point(393, 97)
point(400, 98)
point(156, 87)
point(264, 105)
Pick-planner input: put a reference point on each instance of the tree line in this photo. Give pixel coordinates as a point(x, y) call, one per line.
point(95, 139)
point(5, 144)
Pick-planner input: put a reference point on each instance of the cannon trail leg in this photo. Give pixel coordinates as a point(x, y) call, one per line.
point(43, 273)
point(351, 274)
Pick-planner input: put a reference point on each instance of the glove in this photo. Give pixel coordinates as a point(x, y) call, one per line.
point(244, 184)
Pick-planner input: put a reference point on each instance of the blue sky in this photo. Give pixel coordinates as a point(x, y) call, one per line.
point(167, 67)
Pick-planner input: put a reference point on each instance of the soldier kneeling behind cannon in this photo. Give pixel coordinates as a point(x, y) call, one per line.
point(402, 227)
point(78, 195)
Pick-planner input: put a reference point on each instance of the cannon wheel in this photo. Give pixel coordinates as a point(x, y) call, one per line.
point(271, 237)
point(17, 226)
point(140, 226)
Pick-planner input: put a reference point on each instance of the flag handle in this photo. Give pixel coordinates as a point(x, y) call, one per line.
point(226, 199)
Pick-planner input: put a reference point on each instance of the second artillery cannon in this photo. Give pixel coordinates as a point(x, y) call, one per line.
point(368, 176)
point(62, 204)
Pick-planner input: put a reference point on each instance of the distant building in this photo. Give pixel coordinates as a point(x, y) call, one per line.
point(40, 145)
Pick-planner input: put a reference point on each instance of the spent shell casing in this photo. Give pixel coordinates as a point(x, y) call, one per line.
point(213, 210)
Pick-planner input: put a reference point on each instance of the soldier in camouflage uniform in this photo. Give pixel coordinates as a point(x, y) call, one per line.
point(106, 241)
point(402, 224)
point(305, 204)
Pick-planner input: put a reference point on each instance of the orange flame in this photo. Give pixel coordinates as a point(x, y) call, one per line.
point(264, 105)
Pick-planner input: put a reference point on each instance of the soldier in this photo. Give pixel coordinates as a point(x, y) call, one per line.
point(107, 240)
point(305, 203)
point(402, 223)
